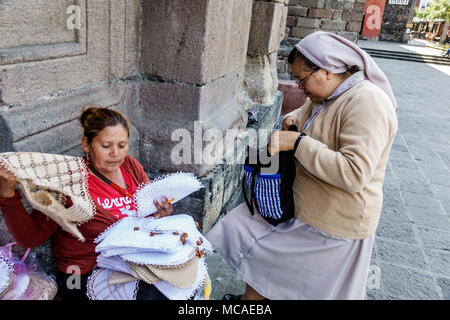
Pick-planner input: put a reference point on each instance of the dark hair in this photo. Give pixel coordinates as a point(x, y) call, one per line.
point(94, 119)
point(295, 54)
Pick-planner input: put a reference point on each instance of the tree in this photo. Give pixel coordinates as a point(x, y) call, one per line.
point(438, 9)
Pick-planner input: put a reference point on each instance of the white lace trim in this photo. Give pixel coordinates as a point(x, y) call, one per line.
point(6, 275)
point(174, 186)
point(99, 288)
point(174, 293)
point(152, 241)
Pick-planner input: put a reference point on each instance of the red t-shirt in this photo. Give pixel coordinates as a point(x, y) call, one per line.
point(109, 198)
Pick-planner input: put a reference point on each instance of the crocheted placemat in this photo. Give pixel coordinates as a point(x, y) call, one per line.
point(181, 277)
point(47, 179)
point(120, 277)
point(143, 273)
point(98, 287)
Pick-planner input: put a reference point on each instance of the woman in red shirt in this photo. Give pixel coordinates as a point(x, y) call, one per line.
point(105, 142)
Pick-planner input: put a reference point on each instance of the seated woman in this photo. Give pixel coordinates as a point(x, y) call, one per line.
point(347, 127)
point(105, 142)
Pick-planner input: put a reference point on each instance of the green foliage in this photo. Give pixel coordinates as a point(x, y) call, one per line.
point(437, 9)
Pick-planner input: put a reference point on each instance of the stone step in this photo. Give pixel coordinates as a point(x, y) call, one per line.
point(406, 56)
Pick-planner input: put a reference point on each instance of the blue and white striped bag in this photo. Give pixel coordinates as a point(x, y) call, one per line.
point(270, 185)
point(267, 193)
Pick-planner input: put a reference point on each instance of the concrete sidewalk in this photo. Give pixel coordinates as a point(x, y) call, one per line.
point(413, 46)
point(411, 257)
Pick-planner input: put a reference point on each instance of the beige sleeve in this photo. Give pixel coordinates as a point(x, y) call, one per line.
point(367, 128)
point(294, 114)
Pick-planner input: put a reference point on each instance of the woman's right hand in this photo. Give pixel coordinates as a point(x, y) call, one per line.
point(7, 183)
point(287, 122)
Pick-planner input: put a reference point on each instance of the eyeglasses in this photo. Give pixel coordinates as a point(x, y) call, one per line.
point(301, 83)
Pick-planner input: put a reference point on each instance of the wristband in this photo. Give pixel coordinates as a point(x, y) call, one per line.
point(298, 141)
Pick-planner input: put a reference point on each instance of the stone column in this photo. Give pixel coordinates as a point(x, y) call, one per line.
point(266, 33)
point(395, 17)
point(192, 59)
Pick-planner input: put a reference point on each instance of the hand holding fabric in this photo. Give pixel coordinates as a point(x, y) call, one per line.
point(287, 122)
point(164, 210)
point(282, 141)
point(7, 183)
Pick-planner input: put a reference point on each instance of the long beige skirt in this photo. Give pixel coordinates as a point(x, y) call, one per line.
point(292, 261)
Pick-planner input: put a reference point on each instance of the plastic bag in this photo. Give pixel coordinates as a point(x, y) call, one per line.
point(24, 279)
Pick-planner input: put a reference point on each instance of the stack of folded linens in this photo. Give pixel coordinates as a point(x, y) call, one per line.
point(166, 252)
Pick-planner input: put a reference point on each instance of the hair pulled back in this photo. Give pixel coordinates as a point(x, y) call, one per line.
point(94, 119)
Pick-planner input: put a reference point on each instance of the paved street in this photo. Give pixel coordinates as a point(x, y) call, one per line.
point(411, 257)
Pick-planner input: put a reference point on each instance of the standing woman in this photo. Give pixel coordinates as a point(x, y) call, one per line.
point(105, 142)
point(347, 127)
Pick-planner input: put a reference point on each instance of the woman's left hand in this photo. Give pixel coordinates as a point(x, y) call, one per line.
point(164, 210)
point(282, 141)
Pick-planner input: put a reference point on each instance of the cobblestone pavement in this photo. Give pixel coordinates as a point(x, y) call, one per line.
point(411, 256)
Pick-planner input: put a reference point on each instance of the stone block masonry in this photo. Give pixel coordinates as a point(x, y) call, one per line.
point(320, 13)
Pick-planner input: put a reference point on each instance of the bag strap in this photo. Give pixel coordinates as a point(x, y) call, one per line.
point(252, 192)
point(250, 203)
point(250, 207)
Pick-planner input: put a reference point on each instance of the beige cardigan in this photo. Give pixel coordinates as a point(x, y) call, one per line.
point(342, 162)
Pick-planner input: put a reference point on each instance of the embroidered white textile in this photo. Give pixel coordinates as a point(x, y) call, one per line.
point(173, 186)
point(98, 287)
point(167, 252)
point(153, 241)
point(115, 263)
point(157, 251)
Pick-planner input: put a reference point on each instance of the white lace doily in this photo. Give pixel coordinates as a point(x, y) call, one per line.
point(133, 234)
point(18, 287)
point(153, 241)
point(174, 186)
point(161, 259)
point(115, 263)
point(6, 275)
point(98, 287)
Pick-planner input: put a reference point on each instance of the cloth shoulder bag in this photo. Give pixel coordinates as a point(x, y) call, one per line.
point(269, 180)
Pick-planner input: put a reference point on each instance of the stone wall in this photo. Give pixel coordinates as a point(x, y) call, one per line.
point(395, 18)
point(55, 58)
point(171, 66)
point(342, 17)
point(48, 72)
